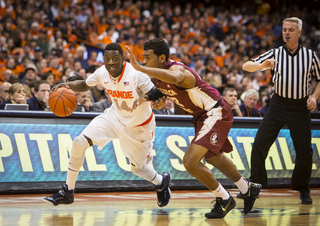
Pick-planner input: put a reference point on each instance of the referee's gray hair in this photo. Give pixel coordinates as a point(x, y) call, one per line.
point(295, 20)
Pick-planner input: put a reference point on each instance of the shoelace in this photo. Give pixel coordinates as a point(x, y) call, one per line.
point(216, 204)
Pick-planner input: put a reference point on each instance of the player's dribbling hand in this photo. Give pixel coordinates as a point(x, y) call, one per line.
point(59, 86)
point(138, 102)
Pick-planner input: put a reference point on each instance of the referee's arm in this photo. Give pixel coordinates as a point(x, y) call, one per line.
point(251, 66)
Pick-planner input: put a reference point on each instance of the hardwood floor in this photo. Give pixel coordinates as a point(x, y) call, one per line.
point(274, 207)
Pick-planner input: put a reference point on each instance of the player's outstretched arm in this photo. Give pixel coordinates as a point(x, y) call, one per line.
point(176, 75)
point(76, 86)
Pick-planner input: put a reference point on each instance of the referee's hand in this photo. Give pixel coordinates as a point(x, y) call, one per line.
point(268, 64)
point(311, 103)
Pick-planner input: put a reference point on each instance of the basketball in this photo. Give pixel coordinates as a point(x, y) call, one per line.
point(63, 102)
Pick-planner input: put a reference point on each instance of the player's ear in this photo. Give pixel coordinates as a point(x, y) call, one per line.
point(162, 59)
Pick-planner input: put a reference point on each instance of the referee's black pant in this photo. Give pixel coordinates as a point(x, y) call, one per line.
point(294, 114)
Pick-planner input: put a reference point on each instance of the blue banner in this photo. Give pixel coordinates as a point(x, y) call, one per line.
point(40, 152)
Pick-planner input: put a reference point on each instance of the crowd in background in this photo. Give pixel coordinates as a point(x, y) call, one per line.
point(49, 40)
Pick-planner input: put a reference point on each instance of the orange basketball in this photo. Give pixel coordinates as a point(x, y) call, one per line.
point(63, 102)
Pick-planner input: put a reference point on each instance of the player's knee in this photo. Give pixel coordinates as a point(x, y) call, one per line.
point(79, 146)
point(189, 164)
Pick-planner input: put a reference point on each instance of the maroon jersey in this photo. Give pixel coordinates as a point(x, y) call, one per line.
point(196, 100)
point(212, 121)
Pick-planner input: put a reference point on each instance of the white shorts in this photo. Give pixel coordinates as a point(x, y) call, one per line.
point(136, 142)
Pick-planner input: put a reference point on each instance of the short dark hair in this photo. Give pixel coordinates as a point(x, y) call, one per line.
point(231, 89)
point(114, 46)
point(38, 83)
point(159, 47)
point(46, 75)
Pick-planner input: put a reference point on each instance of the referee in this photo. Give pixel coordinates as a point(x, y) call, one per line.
point(292, 66)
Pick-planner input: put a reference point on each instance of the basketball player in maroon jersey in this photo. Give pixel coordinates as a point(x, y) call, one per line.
point(212, 118)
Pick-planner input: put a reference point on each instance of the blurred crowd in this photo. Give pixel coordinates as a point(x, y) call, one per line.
point(55, 41)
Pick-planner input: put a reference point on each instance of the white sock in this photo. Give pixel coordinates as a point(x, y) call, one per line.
point(157, 180)
point(71, 179)
point(242, 184)
point(221, 192)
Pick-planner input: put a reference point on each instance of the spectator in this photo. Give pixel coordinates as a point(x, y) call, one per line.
point(29, 76)
point(230, 94)
point(16, 95)
point(93, 59)
point(257, 81)
point(41, 95)
point(38, 55)
point(80, 57)
point(103, 104)
point(4, 91)
point(72, 45)
point(85, 100)
point(49, 78)
point(250, 100)
point(167, 109)
point(6, 75)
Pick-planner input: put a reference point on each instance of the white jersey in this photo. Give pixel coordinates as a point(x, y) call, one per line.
point(130, 85)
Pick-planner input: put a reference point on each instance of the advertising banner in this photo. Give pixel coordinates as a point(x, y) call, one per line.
point(40, 152)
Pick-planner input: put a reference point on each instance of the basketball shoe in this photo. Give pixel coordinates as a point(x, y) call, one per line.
point(221, 208)
point(251, 196)
point(64, 196)
point(163, 190)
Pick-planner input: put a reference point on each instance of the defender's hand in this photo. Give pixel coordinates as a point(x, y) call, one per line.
point(158, 104)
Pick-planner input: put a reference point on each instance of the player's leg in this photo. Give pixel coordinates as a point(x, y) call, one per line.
point(210, 134)
point(66, 194)
point(249, 191)
point(192, 163)
point(95, 133)
point(136, 144)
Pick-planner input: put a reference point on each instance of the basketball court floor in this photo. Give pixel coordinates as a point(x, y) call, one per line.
point(186, 208)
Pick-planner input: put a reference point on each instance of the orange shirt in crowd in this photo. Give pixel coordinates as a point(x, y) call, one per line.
point(106, 40)
point(17, 70)
point(124, 48)
point(137, 51)
point(219, 60)
point(3, 63)
point(73, 50)
point(102, 28)
point(57, 74)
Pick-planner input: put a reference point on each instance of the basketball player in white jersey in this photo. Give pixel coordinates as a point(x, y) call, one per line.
point(134, 128)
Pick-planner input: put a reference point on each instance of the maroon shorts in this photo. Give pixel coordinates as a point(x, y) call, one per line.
point(212, 129)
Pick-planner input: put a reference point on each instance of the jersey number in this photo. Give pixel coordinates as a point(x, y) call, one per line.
point(123, 106)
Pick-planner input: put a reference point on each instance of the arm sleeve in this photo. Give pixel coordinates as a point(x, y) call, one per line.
point(94, 78)
point(144, 83)
point(263, 57)
point(316, 67)
point(154, 94)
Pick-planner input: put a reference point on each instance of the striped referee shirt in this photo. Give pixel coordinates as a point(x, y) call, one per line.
point(293, 72)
